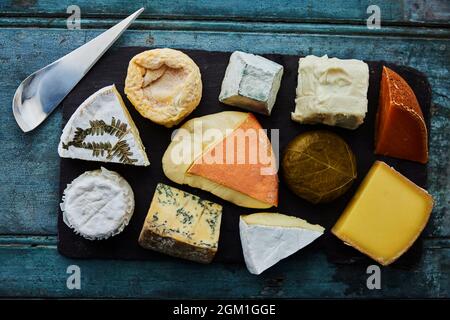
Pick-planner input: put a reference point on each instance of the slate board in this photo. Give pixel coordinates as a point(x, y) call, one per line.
point(112, 68)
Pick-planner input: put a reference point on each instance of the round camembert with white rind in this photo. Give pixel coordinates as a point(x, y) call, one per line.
point(98, 204)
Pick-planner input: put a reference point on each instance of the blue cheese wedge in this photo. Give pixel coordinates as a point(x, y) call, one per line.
point(182, 225)
point(101, 129)
point(98, 204)
point(331, 91)
point(267, 238)
point(251, 82)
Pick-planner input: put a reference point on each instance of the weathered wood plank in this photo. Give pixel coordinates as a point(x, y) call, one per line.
point(355, 11)
point(39, 271)
point(30, 176)
point(233, 26)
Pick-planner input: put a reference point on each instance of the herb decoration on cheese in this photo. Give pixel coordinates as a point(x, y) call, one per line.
point(331, 91)
point(164, 85)
point(251, 82)
point(385, 216)
point(227, 154)
point(182, 225)
point(98, 204)
point(401, 131)
point(101, 129)
point(267, 238)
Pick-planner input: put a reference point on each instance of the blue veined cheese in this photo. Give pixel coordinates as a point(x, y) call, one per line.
point(98, 204)
point(267, 238)
point(251, 82)
point(331, 91)
point(182, 225)
point(101, 129)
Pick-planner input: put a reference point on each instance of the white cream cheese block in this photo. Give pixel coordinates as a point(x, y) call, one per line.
point(267, 238)
point(331, 91)
point(251, 82)
point(98, 204)
point(101, 129)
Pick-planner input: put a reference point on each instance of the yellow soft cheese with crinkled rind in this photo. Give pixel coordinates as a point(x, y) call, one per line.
point(164, 85)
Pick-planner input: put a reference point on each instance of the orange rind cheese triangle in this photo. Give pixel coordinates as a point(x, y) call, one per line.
point(401, 131)
point(242, 161)
point(228, 154)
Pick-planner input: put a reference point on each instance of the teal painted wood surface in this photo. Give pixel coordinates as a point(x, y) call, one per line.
point(29, 262)
point(399, 12)
point(38, 270)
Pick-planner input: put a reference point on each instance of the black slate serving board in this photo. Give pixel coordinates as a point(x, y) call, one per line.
point(112, 68)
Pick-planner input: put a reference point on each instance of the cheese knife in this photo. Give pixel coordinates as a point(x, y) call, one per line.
point(41, 92)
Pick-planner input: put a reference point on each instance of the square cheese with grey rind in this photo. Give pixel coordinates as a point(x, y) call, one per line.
point(251, 82)
point(182, 225)
point(331, 91)
point(268, 237)
point(101, 129)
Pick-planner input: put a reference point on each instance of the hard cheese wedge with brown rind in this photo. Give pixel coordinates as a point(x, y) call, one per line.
point(400, 130)
point(385, 216)
point(227, 154)
point(182, 225)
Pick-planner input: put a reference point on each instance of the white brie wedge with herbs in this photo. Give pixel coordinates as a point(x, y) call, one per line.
point(267, 238)
point(98, 204)
point(101, 129)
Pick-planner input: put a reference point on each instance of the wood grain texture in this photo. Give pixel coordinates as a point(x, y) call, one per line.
point(233, 26)
point(38, 270)
point(30, 185)
point(354, 11)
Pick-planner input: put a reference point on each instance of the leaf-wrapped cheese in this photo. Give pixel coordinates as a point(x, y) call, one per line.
point(318, 166)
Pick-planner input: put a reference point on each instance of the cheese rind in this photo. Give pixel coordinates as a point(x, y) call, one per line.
point(267, 238)
point(182, 225)
point(385, 216)
point(251, 82)
point(331, 91)
point(98, 204)
point(101, 129)
point(245, 177)
point(192, 140)
point(164, 85)
point(401, 131)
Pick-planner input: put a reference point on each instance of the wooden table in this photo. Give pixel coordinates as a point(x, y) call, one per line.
point(33, 33)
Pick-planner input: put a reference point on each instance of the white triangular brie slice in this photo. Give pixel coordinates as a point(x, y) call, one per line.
point(101, 129)
point(270, 237)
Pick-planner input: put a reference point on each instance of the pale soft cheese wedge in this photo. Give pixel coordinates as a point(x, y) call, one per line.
point(243, 184)
point(267, 238)
point(251, 82)
point(101, 129)
point(331, 91)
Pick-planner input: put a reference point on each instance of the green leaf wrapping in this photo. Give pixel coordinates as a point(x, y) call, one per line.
point(319, 166)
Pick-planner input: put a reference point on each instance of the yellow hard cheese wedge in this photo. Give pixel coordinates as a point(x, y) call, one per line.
point(386, 215)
